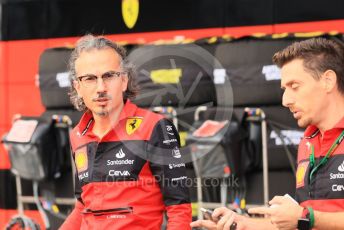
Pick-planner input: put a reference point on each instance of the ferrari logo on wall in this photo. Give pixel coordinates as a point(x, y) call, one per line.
point(130, 12)
point(133, 124)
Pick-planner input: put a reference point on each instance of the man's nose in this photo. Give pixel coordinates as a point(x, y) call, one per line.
point(101, 86)
point(287, 99)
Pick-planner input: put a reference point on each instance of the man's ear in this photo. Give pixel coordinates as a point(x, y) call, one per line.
point(125, 80)
point(330, 80)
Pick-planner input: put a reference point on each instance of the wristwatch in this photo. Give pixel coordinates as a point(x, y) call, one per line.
point(304, 223)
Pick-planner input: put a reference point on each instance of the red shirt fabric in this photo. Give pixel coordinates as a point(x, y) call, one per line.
point(326, 191)
point(131, 176)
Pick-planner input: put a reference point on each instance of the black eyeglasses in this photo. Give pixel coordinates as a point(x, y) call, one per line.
point(90, 80)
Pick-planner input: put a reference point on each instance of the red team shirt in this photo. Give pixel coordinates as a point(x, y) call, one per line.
point(326, 193)
point(127, 179)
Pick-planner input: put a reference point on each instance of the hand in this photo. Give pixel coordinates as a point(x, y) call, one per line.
point(225, 218)
point(284, 215)
point(208, 224)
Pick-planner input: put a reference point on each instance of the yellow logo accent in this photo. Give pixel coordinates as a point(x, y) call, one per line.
point(130, 12)
point(81, 160)
point(166, 76)
point(133, 124)
point(308, 34)
point(183, 135)
point(300, 174)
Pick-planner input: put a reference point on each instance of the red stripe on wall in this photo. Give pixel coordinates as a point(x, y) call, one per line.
point(321, 26)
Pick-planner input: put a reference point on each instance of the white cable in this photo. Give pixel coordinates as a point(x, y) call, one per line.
point(39, 206)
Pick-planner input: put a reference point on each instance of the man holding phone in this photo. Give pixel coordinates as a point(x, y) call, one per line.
point(312, 77)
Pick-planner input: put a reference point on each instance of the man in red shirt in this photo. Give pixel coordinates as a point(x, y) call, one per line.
point(129, 168)
point(312, 77)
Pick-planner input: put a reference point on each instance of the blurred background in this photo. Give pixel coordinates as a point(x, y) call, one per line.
point(196, 61)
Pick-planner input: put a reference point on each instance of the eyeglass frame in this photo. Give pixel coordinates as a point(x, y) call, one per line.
point(112, 72)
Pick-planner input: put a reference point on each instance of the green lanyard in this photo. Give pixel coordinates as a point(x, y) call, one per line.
point(323, 161)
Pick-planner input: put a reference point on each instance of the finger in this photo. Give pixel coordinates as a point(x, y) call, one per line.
point(260, 210)
point(203, 223)
point(16, 117)
point(277, 200)
point(220, 212)
point(229, 223)
point(224, 219)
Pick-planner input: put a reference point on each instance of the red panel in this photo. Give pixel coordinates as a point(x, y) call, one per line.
point(248, 30)
point(3, 62)
point(3, 84)
point(24, 99)
point(62, 42)
point(6, 215)
point(150, 37)
point(320, 26)
point(146, 37)
point(3, 105)
point(4, 160)
point(23, 59)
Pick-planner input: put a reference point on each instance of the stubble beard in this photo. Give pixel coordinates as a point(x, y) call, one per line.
point(102, 113)
point(304, 123)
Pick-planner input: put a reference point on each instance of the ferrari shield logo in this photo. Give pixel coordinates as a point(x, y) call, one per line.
point(300, 174)
point(130, 12)
point(133, 124)
point(81, 160)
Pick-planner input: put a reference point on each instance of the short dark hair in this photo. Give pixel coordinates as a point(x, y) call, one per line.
point(318, 55)
point(90, 42)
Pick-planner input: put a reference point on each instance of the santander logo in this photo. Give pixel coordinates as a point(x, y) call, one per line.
point(120, 154)
point(341, 167)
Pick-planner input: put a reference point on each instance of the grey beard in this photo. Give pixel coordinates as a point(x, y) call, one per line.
point(102, 113)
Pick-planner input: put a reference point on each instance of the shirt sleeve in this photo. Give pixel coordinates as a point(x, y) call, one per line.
point(74, 219)
point(166, 163)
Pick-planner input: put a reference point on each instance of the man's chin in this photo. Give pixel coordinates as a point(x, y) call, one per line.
point(101, 113)
point(303, 123)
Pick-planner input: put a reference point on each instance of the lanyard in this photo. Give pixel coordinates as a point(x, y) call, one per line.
point(323, 161)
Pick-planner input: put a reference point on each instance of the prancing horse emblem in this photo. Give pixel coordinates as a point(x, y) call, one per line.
point(133, 124)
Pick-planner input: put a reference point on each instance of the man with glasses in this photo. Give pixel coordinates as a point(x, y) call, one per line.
point(128, 164)
point(312, 77)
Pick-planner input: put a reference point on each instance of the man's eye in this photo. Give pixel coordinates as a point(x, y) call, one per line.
point(109, 75)
point(90, 78)
point(294, 86)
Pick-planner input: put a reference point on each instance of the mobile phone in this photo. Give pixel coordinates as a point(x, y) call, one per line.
point(207, 214)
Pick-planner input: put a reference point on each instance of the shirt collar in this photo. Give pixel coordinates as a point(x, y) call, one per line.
point(86, 121)
point(312, 130)
point(129, 110)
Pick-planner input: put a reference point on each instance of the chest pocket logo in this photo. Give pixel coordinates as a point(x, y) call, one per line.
point(300, 174)
point(81, 160)
point(132, 124)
